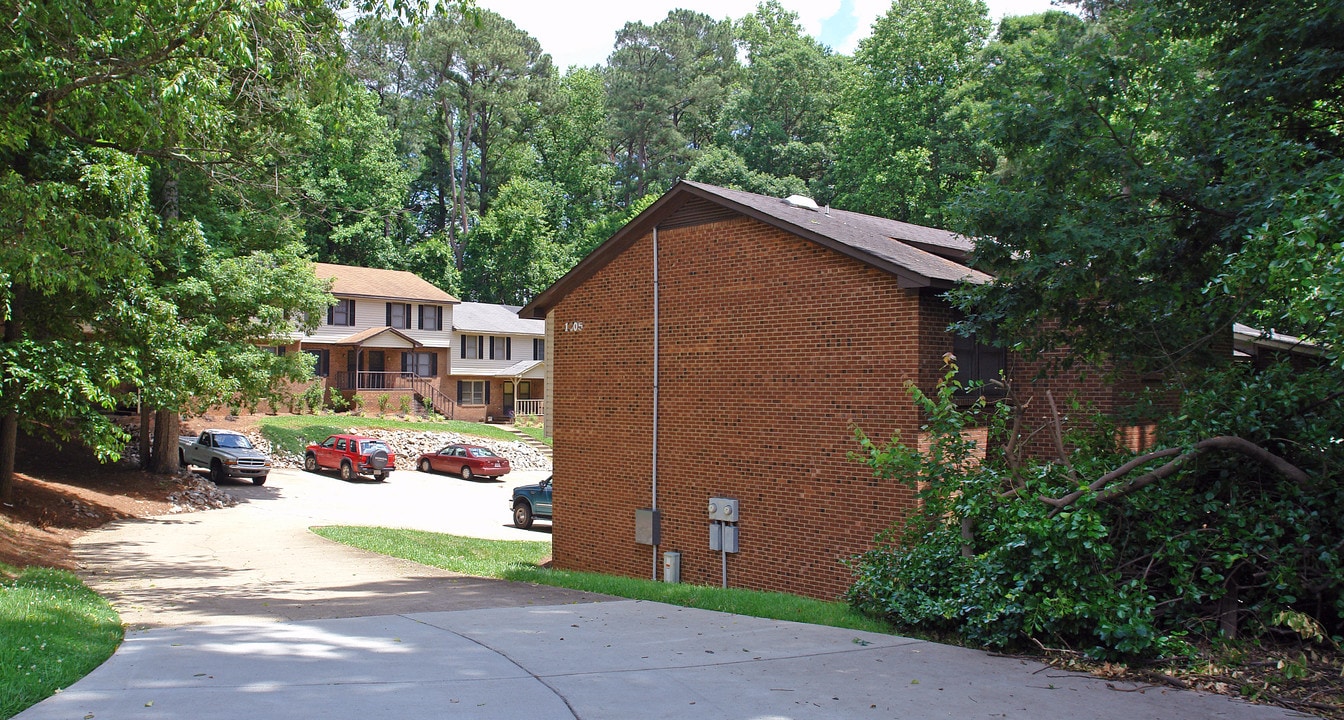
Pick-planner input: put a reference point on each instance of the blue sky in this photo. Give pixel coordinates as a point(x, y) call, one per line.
point(582, 33)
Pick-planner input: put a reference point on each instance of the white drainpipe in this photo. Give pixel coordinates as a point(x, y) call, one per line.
point(654, 489)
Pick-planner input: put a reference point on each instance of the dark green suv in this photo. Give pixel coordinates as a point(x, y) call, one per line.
point(531, 502)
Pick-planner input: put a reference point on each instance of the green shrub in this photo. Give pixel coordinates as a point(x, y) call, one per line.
point(1222, 545)
point(337, 402)
point(383, 399)
point(404, 402)
point(313, 396)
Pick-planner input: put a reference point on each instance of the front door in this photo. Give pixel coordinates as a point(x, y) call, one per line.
point(372, 362)
point(508, 399)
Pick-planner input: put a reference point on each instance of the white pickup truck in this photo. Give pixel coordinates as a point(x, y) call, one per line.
point(227, 454)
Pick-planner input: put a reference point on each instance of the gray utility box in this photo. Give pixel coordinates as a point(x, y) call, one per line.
point(723, 509)
point(722, 537)
point(647, 526)
point(672, 567)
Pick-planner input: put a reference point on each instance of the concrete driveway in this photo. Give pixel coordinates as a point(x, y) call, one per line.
point(243, 613)
point(258, 561)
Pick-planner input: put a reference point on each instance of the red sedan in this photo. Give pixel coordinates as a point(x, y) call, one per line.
point(465, 460)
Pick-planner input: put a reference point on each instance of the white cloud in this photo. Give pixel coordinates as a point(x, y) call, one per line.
point(583, 33)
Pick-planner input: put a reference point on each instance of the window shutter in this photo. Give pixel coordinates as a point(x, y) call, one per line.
point(492, 347)
point(406, 315)
point(464, 347)
point(405, 361)
point(508, 348)
point(389, 314)
point(487, 392)
point(331, 314)
point(438, 317)
point(480, 346)
point(434, 365)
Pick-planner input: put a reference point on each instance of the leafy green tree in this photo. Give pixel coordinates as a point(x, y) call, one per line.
point(517, 250)
point(900, 155)
point(723, 167)
point(89, 289)
point(353, 185)
point(485, 81)
point(568, 151)
point(666, 86)
point(780, 118)
point(1166, 170)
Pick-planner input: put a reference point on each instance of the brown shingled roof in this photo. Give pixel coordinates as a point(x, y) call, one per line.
point(918, 256)
point(351, 281)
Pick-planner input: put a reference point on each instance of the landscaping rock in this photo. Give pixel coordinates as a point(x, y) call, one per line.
point(409, 444)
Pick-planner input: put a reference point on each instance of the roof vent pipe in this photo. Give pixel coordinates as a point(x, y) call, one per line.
point(801, 201)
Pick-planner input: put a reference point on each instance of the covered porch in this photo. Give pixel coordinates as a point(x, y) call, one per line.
point(385, 360)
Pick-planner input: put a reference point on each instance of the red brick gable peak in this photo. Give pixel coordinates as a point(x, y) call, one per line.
point(878, 242)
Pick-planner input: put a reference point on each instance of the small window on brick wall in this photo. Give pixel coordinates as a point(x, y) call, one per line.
point(981, 364)
point(321, 362)
point(471, 392)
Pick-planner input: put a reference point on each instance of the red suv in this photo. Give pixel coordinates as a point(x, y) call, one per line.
point(353, 455)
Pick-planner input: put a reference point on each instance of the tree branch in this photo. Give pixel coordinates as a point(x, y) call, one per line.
point(1222, 442)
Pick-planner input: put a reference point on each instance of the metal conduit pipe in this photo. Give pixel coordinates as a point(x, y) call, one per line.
point(654, 476)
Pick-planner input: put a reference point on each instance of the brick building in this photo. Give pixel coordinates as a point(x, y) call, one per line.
point(724, 345)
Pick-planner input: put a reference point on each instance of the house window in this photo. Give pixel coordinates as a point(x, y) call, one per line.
point(981, 363)
point(471, 392)
point(277, 350)
point(342, 313)
point(431, 317)
point(538, 349)
point(399, 315)
point(473, 347)
point(321, 362)
point(505, 345)
point(423, 364)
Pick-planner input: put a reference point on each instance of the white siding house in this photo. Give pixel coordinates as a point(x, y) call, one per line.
point(498, 366)
point(390, 332)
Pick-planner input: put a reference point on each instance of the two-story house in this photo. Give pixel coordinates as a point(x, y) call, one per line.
point(497, 363)
point(389, 333)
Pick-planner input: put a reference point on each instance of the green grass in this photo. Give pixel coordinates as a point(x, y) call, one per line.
point(536, 432)
point(518, 561)
point(53, 631)
point(294, 432)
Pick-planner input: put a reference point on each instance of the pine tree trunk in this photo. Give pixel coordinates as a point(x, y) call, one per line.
point(9, 422)
point(9, 439)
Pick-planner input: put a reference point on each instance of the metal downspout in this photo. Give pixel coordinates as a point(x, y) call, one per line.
point(654, 476)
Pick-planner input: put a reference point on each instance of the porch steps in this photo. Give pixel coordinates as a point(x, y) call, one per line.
point(526, 439)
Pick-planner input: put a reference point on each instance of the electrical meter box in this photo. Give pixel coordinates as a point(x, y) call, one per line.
point(723, 538)
point(723, 509)
point(647, 526)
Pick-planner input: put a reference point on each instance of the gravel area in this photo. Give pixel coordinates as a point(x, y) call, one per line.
point(408, 445)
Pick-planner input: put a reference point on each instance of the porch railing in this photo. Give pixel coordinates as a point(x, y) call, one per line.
point(529, 407)
point(424, 387)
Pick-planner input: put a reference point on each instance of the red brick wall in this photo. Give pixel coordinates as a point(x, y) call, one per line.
point(772, 348)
